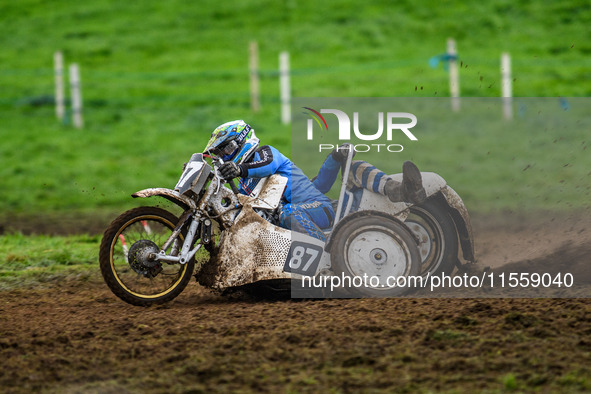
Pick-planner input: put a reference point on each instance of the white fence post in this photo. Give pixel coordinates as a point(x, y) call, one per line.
point(507, 92)
point(284, 87)
point(76, 95)
point(58, 65)
point(454, 79)
point(255, 96)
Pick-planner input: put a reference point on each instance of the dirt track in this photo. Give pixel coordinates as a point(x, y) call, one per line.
point(80, 338)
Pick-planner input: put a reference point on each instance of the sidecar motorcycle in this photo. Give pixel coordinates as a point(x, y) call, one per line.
point(148, 255)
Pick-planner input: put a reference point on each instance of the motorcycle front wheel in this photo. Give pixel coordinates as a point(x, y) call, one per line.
point(126, 257)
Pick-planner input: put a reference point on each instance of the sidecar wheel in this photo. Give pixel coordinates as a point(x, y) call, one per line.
point(432, 225)
point(375, 246)
point(125, 263)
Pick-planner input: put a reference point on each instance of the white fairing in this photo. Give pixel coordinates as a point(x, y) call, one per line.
point(191, 169)
point(432, 183)
point(376, 202)
point(269, 191)
point(251, 250)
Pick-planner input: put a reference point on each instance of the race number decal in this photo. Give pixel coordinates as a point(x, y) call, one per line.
point(303, 258)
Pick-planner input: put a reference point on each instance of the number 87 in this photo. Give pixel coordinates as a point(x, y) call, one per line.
point(298, 256)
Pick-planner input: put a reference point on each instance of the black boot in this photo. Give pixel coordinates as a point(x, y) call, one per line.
point(412, 183)
point(411, 189)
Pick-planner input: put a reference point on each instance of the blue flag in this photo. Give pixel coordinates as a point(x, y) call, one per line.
point(444, 57)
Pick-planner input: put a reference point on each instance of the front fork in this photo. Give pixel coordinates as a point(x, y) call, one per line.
point(186, 253)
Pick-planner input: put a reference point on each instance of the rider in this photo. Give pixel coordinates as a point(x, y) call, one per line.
point(307, 210)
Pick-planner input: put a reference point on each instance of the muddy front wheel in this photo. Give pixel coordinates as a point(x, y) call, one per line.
point(126, 258)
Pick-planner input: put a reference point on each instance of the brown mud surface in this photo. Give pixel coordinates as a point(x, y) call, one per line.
point(78, 337)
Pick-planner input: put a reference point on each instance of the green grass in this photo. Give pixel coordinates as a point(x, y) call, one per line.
point(34, 260)
point(159, 76)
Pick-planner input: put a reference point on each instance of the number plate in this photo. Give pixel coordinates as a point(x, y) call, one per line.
point(189, 175)
point(303, 258)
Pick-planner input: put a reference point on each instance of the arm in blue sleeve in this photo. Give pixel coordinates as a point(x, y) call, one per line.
point(327, 175)
point(264, 166)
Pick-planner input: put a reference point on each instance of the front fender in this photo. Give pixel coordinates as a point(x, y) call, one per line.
point(170, 195)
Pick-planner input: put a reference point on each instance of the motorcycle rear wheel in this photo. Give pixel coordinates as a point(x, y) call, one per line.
point(127, 271)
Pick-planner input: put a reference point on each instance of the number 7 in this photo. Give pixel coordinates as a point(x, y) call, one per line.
point(313, 253)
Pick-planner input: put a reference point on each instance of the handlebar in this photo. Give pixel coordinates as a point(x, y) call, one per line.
point(228, 181)
point(233, 186)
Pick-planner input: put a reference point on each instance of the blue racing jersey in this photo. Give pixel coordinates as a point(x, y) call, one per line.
point(268, 161)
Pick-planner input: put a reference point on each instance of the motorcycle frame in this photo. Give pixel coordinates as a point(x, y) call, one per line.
point(225, 212)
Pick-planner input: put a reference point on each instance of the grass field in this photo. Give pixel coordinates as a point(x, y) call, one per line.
point(158, 77)
point(34, 260)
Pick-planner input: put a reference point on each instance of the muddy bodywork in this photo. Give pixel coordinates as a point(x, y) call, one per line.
point(222, 202)
point(171, 195)
point(251, 250)
point(268, 192)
